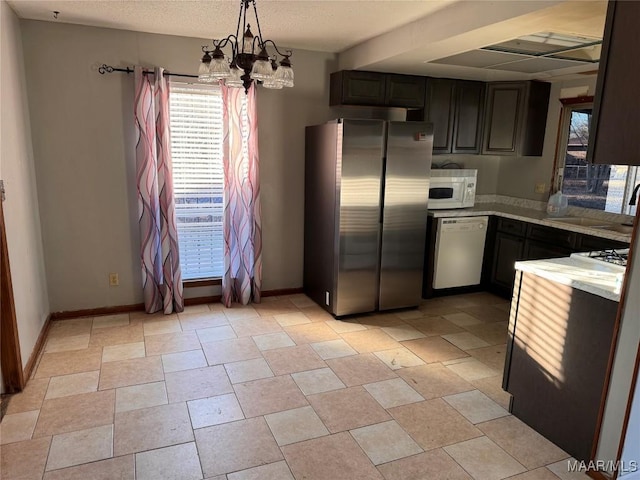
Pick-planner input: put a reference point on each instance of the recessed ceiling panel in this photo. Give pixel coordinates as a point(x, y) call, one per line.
point(536, 65)
point(478, 59)
point(550, 43)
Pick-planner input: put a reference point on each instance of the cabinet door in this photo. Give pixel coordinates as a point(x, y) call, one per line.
point(503, 120)
point(359, 88)
point(535, 250)
point(507, 251)
point(405, 91)
point(616, 115)
point(439, 110)
point(469, 112)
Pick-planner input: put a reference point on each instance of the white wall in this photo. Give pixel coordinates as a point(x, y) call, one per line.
point(83, 137)
point(21, 212)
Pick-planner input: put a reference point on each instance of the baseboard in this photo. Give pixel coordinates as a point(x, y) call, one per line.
point(282, 291)
point(200, 300)
point(35, 354)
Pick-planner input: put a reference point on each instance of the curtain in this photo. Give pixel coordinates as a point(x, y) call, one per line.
point(242, 278)
point(161, 276)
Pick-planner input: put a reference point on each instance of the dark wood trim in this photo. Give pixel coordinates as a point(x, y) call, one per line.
point(202, 283)
point(11, 359)
point(201, 300)
point(96, 312)
point(282, 291)
point(577, 100)
point(37, 348)
point(597, 475)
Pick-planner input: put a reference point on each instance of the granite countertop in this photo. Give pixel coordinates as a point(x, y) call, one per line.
point(530, 215)
point(602, 280)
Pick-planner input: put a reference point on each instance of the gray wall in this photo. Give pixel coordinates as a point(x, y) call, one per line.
point(22, 217)
point(83, 145)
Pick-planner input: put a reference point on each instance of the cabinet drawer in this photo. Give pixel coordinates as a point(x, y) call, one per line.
point(512, 227)
point(588, 243)
point(554, 236)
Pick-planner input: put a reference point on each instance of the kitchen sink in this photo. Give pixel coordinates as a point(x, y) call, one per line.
point(583, 221)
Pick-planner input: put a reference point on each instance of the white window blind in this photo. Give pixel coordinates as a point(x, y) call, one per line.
point(196, 151)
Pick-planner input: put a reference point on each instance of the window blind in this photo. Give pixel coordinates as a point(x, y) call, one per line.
point(196, 151)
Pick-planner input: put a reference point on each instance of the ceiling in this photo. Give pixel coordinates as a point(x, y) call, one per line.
point(424, 37)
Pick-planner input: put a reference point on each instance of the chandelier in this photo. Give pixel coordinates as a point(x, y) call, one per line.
point(245, 65)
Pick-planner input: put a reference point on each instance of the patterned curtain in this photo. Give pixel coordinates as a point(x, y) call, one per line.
point(242, 278)
point(161, 276)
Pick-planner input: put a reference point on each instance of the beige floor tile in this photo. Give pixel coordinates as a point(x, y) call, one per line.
point(178, 461)
point(124, 351)
point(492, 333)
point(487, 313)
point(475, 406)
point(197, 383)
point(434, 423)
point(213, 334)
point(379, 320)
point(269, 395)
point(433, 381)
point(311, 333)
point(73, 384)
point(248, 370)
point(121, 468)
point(457, 360)
point(77, 412)
point(24, 460)
point(317, 313)
point(117, 335)
point(141, 396)
point(82, 446)
point(393, 393)
point(370, 340)
point(434, 349)
point(465, 340)
point(492, 388)
point(333, 349)
point(473, 370)
point(269, 341)
point(245, 327)
point(119, 320)
point(398, 358)
point(537, 474)
point(171, 343)
point(293, 359)
point(301, 300)
point(272, 471)
point(317, 381)
point(385, 442)
point(67, 343)
point(130, 372)
point(484, 459)
point(289, 319)
point(492, 356)
point(194, 321)
point(153, 427)
point(330, 458)
point(201, 308)
point(433, 326)
point(347, 409)
point(206, 412)
point(71, 327)
point(279, 305)
point(409, 314)
point(432, 465)
point(462, 319)
point(403, 332)
point(360, 369)
point(177, 362)
point(561, 469)
point(18, 427)
point(235, 446)
point(64, 363)
point(522, 442)
point(296, 425)
point(161, 325)
point(240, 311)
point(30, 398)
point(228, 351)
point(437, 310)
point(345, 326)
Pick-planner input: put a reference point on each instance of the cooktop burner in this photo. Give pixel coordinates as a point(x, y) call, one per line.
point(613, 256)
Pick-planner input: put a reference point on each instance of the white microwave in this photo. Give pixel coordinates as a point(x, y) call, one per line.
point(452, 188)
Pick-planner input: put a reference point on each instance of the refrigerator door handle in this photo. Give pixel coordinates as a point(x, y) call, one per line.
point(383, 184)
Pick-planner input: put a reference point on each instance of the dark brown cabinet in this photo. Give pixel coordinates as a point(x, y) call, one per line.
point(439, 109)
point(614, 135)
point(469, 113)
point(508, 248)
point(375, 89)
point(515, 118)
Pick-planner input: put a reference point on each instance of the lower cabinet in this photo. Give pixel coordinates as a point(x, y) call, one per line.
point(508, 249)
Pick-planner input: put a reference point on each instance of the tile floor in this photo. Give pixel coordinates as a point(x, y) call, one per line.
point(279, 390)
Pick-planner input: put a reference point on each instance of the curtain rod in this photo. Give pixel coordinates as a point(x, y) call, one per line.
point(109, 69)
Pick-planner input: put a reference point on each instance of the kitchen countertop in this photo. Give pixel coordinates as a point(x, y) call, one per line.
point(602, 280)
point(528, 215)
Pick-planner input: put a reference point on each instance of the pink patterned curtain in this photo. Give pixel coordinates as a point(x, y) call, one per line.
point(161, 276)
point(242, 278)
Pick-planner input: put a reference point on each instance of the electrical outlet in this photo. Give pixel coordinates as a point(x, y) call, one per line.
point(114, 280)
point(540, 188)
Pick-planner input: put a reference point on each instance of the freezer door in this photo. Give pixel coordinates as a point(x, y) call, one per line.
point(404, 219)
point(359, 175)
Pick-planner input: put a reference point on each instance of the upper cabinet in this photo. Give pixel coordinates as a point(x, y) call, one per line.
point(374, 89)
point(516, 118)
point(614, 135)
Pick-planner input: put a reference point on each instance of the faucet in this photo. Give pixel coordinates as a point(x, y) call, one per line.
point(634, 195)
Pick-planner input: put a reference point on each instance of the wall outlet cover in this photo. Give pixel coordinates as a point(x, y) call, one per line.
point(114, 280)
point(540, 188)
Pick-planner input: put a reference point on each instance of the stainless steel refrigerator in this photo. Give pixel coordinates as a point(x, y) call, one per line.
point(366, 192)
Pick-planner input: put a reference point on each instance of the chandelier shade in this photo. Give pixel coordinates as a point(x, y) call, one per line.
point(249, 60)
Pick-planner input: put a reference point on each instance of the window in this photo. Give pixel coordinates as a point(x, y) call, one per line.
point(601, 187)
point(196, 150)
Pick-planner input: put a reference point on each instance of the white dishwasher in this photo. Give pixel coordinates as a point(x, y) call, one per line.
point(459, 251)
